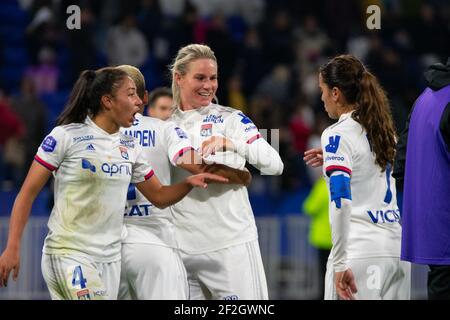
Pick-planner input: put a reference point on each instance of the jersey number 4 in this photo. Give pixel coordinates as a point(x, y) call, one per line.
point(77, 278)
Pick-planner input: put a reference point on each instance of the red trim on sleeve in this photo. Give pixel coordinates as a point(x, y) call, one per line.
point(251, 140)
point(43, 163)
point(180, 153)
point(331, 169)
point(149, 175)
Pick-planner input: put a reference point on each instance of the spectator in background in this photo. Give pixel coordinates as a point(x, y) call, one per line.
point(219, 38)
point(44, 75)
point(43, 30)
point(300, 132)
point(299, 128)
point(82, 43)
point(252, 11)
point(311, 42)
point(32, 111)
point(172, 8)
point(236, 95)
point(160, 103)
point(386, 62)
point(426, 206)
point(126, 44)
point(278, 44)
point(276, 85)
point(10, 124)
point(150, 19)
point(11, 152)
point(251, 60)
point(430, 32)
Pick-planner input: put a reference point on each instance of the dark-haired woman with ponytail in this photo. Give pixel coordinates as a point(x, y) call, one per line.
point(93, 164)
point(358, 152)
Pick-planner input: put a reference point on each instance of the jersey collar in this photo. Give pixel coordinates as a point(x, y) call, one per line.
point(198, 110)
point(345, 116)
point(92, 124)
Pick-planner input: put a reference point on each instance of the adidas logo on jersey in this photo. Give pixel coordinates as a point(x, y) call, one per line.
point(90, 147)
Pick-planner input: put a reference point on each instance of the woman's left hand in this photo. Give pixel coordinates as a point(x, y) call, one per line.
point(214, 144)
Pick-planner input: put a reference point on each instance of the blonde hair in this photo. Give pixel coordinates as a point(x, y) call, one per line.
point(180, 64)
point(135, 74)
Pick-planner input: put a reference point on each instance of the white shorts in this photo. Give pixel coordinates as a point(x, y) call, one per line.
point(376, 279)
point(152, 272)
point(234, 273)
point(71, 277)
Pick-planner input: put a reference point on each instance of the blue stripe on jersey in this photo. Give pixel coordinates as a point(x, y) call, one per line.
point(340, 189)
point(388, 197)
point(131, 194)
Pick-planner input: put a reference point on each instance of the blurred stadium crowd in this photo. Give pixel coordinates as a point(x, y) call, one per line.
point(268, 52)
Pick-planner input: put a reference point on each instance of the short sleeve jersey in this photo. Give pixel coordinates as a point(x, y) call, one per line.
point(92, 171)
point(375, 218)
point(162, 144)
point(221, 215)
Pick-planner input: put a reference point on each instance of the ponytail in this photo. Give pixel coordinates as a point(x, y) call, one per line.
point(76, 109)
point(374, 114)
point(372, 110)
point(85, 98)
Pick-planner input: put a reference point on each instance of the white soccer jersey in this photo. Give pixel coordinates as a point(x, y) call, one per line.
point(92, 171)
point(374, 227)
point(162, 143)
point(220, 216)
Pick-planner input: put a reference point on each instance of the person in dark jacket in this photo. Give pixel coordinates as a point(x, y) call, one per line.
point(423, 158)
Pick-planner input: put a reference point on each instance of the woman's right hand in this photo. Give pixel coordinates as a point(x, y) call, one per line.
point(345, 284)
point(214, 144)
point(202, 179)
point(9, 261)
point(314, 157)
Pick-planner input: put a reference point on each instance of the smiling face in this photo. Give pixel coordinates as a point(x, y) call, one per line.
point(329, 98)
point(199, 85)
point(125, 104)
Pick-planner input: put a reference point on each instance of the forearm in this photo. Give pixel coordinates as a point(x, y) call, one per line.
point(170, 195)
point(164, 196)
point(340, 222)
point(235, 176)
point(261, 155)
point(19, 218)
